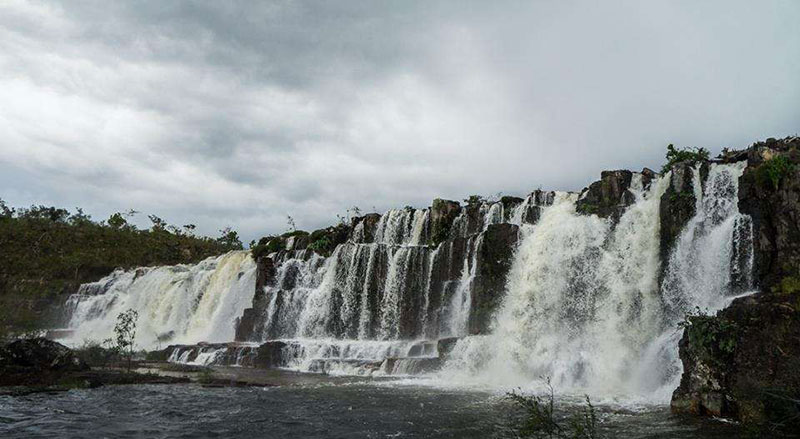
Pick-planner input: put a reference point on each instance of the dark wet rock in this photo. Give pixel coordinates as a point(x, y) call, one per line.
point(608, 197)
point(509, 203)
point(648, 175)
point(36, 359)
point(324, 241)
point(270, 355)
point(423, 349)
point(677, 206)
point(443, 213)
point(769, 191)
point(493, 260)
point(410, 366)
point(369, 224)
point(445, 345)
point(743, 363)
point(539, 200)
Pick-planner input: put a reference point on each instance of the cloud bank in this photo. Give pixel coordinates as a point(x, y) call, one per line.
point(241, 113)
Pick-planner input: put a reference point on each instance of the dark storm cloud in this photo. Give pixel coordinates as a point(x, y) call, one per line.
point(242, 113)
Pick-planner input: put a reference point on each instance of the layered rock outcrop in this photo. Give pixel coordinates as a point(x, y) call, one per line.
point(743, 362)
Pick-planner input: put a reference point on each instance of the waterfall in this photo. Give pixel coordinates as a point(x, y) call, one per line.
point(176, 304)
point(583, 305)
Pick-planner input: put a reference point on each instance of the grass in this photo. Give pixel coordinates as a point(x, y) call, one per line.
point(538, 418)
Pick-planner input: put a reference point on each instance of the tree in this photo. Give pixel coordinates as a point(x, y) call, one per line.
point(158, 223)
point(117, 221)
point(5, 211)
point(230, 239)
point(290, 223)
point(125, 330)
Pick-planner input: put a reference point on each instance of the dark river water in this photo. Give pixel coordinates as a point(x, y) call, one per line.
point(356, 410)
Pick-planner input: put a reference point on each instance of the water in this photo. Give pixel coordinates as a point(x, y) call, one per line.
point(583, 306)
point(582, 302)
point(355, 410)
point(176, 304)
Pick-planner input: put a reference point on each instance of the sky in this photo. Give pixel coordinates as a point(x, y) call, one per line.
point(243, 113)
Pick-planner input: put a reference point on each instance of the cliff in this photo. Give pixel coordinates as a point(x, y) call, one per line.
point(743, 361)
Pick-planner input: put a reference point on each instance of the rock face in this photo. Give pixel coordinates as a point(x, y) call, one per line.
point(28, 361)
point(770, 193)
point(677, 205)
point(443, 213)
point(608, 197)
point(743, 362)
point(493, 262)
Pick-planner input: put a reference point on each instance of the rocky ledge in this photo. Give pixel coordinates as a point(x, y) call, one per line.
point(41, 365)
point(743, 363)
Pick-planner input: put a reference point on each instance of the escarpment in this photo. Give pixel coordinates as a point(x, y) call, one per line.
point(587, 288)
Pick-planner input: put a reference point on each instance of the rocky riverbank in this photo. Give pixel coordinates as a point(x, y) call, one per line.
point(40, 365)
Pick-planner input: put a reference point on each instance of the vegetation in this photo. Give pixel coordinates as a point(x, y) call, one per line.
point(712, 338)
point(474, 199)
point(788, 285)
point(539, 419)
point(125, 331)
point(773, 171)
point(49, 251)
point(675, 155)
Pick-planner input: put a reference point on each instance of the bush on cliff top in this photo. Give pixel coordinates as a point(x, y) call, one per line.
point(773, 171)
point(675, 155)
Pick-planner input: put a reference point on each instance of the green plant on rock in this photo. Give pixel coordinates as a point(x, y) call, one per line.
point(676, 197)
point(675, 155)
point(586, 208)
point(788, 285)
point(713, 339)
point(321, 245)
point(474, 199)
point(774, 170)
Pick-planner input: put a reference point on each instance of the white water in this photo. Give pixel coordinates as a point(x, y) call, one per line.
point(582, 303)
point(178, 304)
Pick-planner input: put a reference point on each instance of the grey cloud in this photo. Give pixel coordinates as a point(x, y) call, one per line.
point(239, 113)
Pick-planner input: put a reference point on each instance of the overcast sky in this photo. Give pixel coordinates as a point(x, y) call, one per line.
point(225, 113)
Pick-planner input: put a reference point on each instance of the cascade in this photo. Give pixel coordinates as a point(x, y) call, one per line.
point(176, 304)
point(583, 305)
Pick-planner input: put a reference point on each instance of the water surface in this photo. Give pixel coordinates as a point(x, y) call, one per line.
point(355, 410)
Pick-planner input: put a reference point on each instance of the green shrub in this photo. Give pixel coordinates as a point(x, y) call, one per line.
point(321, 245)
point(713, 339)
point(539, 419)
point(267, 245)
point(675, 155)
point(773, 171)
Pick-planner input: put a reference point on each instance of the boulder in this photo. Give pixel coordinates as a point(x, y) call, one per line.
point(269, 355)
point(743, 362)
point(608, 197)
point(445, 345)
point(35, 360)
